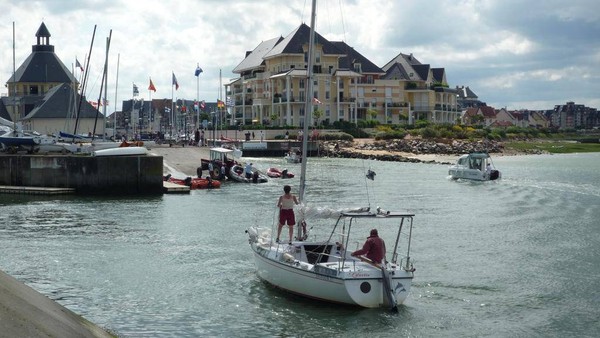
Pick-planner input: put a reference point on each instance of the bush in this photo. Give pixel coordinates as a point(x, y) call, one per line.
point(336, 137)
point(429, 133)
point(397, 134)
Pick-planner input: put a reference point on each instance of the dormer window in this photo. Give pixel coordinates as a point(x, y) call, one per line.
point(358, 68)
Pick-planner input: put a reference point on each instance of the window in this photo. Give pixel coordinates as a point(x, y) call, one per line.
point(33, 90)
point(358, 68)
point(318, 57)
point(301, 82)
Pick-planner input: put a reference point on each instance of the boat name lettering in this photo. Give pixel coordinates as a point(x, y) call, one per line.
point(359, 274)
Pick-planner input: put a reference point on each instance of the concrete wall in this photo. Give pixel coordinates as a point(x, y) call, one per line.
point(107, 175)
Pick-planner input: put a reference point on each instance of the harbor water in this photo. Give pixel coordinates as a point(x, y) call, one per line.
point(515, 257)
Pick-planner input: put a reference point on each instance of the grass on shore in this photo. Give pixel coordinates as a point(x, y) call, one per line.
point(554, 147)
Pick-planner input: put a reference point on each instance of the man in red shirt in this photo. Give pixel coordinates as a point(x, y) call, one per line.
point(374, 248)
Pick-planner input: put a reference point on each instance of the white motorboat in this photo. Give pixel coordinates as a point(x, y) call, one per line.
point(325, 269)
point(474, 166)
point(293, 156)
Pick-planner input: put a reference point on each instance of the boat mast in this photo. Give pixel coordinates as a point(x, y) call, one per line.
point(15, 107)
point(103, 87)
point(83, 88)
point(307, 112)
point(309, 101)
point(116, 89)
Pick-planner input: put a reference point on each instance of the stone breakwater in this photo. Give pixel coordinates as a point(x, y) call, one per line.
point(388, 150)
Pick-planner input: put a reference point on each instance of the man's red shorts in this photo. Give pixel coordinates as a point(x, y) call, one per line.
point(287, 215)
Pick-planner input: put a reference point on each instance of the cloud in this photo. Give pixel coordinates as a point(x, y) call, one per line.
point(509, 52)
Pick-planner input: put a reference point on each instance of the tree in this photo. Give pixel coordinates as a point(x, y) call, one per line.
point(273, 118)
point(372, 113)
point(317, 115)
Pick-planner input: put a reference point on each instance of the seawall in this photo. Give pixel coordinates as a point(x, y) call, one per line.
point(89, 175)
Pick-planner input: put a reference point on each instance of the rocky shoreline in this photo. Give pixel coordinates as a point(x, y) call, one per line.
point(413, 150)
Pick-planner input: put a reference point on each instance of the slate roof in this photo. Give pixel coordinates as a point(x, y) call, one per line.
point(396, 72)
point(408, 59)
point(292, 44)
point(61, 102)
point(465, 92)
point(351, 56)
point(42, 65)
point(4, 101)
point(438, 74)
point(422, 71)
point(255, 58)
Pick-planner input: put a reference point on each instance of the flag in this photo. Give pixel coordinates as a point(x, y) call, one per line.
point(316, 101)
point(220, 104)
point(202, 105)
point(151, 86)
point(78, 65)
point(198, 71)
point(229, 101)
point(175, 83)
point(136, 91)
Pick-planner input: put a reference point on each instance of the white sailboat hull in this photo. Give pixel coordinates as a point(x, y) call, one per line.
point(353, 283)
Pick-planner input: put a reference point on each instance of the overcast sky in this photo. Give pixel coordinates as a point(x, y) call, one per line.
point(511, 53)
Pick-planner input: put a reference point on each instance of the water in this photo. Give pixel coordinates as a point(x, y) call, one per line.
point(515, 257)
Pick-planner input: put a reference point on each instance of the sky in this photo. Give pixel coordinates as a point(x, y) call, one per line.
point(513, 54)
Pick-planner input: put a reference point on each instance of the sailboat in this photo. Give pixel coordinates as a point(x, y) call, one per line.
point(326, 270)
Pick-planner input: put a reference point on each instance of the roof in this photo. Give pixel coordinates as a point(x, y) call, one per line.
point(488, 111)
point(422, 71)
point(61, 102)
point(438, 74)
point(351, 56)
point(346, 73)
point(295, 41)
point(255, 58)
point(396, 72)
point(409, 60)
point(42, 65)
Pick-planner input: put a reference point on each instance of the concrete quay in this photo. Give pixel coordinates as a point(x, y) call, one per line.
point(26, 313)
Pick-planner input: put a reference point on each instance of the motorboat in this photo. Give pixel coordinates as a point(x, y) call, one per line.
point(293, 156)
point(194, 182)
point(238, 174)
point(474, 166)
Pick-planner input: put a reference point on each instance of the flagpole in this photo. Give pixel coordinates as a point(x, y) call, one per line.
point(221, 98)
point(172, 104)
point(198, 99)
point(150, 100)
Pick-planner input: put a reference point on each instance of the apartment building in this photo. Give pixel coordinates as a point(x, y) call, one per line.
point(272, 85)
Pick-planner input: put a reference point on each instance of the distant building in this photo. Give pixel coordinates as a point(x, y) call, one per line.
point(574, 116)
point(42, 94)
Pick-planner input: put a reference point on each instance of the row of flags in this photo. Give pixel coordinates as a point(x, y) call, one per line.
point(174, 82)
